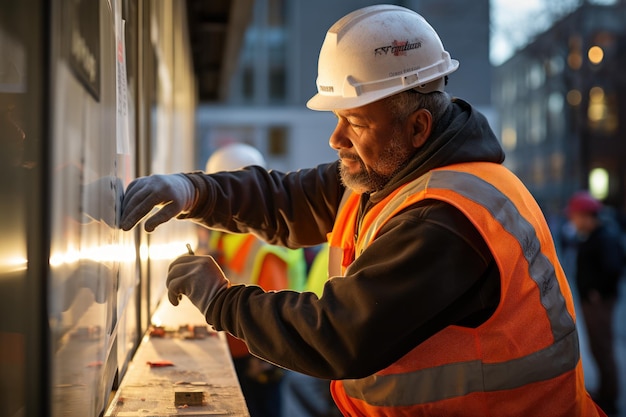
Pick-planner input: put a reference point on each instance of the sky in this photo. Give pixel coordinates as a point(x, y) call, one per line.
point(513, 22)
point(506, 17)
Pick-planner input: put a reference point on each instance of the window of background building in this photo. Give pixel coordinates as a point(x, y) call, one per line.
point(557, 166)
point(574, 57)
point(554, 66)
point(538, 171)
point(537, 121)
point(556, 118)
point(595, 54)
point(522, 125)
point(602, 49)
point(602, 110)
point(277, 45)
point(277, 74)
point(574, 98)
point(263, 74)
point(599, 183)
point(536, 76)
point(509, 137)
point(509, 89)
point(243, 84)
point(277, 141)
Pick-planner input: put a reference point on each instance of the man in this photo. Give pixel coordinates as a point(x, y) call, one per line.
point(445, 294)
point(599, 263)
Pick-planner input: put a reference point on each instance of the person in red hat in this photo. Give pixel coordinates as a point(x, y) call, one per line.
point(599, 265)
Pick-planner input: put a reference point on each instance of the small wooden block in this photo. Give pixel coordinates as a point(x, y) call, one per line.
point(191, 398)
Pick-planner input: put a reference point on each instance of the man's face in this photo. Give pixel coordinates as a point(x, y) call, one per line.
point(583, 222)
point(372, 146)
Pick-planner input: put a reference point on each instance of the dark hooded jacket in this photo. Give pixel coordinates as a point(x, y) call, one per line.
point(427, 269)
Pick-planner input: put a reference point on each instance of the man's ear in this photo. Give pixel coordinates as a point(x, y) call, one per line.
point(421, 124)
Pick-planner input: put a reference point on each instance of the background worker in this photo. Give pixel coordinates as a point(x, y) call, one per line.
point(245, 259)
point(248, 260)
point(599, 266)
point(445, 294)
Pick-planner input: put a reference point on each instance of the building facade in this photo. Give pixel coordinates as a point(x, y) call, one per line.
point(561, 107)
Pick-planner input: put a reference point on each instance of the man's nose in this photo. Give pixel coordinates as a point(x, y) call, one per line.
point(339, 138)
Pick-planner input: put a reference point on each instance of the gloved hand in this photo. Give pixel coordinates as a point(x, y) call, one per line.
point(173, 194)
point(198, 277)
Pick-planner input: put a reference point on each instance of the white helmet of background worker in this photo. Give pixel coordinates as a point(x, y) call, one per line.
point(234, 156)
point(376, 52)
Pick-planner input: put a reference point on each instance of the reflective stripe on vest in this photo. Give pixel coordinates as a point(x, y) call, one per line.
point(475, 375)
point(504, 212)
point(514, 228)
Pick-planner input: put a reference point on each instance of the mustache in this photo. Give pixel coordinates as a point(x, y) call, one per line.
point(349, 155)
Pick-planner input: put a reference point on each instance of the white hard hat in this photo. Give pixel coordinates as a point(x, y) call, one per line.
point(234, 156)
point(375, 52)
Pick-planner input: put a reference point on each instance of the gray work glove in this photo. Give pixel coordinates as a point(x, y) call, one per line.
point(173, 194)
point(198, 277)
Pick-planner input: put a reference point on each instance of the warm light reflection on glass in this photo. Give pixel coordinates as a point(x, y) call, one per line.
point(156, 320)
point(595, 54)
point(103, 253)
point(143, 252)
point(169, 250)
point(13, 263)
point(120, 253)
point(159, 251)
point(69, 256)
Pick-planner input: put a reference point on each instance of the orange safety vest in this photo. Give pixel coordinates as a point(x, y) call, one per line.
point(524, 360)
point(246, 259)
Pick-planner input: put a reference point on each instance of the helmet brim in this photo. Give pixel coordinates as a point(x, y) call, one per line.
point(330, 102)
point(322, 102)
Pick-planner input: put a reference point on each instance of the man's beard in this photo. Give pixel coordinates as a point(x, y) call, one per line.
point(372, 179)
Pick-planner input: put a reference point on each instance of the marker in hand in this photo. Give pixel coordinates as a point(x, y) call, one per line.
point(190, 252)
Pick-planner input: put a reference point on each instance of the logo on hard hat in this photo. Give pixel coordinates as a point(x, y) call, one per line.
point(397, 48)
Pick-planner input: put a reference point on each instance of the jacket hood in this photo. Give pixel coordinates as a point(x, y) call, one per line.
point(462, 135)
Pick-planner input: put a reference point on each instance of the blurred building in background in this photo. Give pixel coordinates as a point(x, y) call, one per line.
point(277, 67)
point(561, 103)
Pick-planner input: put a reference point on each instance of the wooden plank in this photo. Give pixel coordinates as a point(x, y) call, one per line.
point(201, 370)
